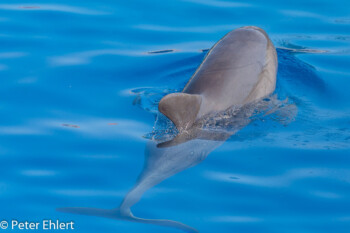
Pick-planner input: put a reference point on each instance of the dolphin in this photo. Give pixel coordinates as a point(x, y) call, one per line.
point(238, 70)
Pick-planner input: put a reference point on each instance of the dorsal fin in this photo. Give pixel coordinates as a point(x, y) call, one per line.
point(181, 109)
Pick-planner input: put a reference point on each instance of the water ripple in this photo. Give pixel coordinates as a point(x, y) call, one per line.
point(281, 180)
point(3, 67)
point(88, 193)
point(216, 3)
point(21, 130)
point(305, 14)
point(85, 57)
point(100, 127)
point(198, 29)
point(51, 7)
point(12, 55)
point(235, 219)
point(40, 173)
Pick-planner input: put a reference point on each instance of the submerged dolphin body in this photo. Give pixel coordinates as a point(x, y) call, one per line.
point(239, 69)
point(160, 164)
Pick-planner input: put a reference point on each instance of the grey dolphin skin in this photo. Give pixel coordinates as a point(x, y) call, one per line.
point(239, 69)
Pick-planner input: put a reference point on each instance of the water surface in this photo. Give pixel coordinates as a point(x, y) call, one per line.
point(80, 82)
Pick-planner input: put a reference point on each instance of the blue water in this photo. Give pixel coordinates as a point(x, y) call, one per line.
point(80, 82)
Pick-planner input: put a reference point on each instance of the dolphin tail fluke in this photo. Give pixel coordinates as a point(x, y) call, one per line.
point(181, 109)
point(126, 215)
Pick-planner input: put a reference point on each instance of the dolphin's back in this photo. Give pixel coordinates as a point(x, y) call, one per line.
point(238, 69)
point(232, 69)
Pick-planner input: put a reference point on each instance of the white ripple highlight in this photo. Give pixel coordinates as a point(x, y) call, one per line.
point(195, 29)
point(101, 127)
point(38, 173)
point(85, 57)
point(326, 195)
point(214, 3)
point(303, 14)
point(21, 130)
point(51, 7)
point(235, 219)
point(8, 55)
point(88, 193)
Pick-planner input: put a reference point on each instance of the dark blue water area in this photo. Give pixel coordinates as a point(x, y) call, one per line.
point(80, 84)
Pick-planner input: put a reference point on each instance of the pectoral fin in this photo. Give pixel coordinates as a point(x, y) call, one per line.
point(181, 109)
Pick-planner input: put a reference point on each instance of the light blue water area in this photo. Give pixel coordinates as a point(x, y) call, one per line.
point(80, 83)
